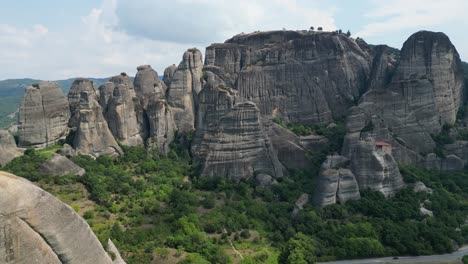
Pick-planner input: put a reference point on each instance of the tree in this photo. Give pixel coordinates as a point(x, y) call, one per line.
point(300, 249)
point(348, 34)
point(311, 28)
point(320, 28)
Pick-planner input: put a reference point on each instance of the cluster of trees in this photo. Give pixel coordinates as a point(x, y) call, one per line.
point(147, 203)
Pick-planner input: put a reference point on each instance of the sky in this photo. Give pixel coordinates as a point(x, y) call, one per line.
point(56, 39)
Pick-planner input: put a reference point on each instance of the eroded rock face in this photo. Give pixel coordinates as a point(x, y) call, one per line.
point(43, 115)
point(302, 77)
point(161, 125)
point(79, 85)
point(184, 86)
point(230, 140)
point(93, 136)
point(8, 149)
point(58, 165)
point(147, 83)
point(36, 227)
point(430, 77)
point(336, 184)
point(122, 117)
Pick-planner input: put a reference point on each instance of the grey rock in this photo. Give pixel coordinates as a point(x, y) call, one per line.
point(93, 136)
point(112, 248)
point(43, 115)
point(336, 183)
point(161, 125)
point(169, 74)
point(67, 151)
point(421, 187)
point(452, 163)
point(287, 146)
point(299, 204)
point(79, 85)
point(8, 149)
point(121, 115)
point(58, 165)
point(36, 227)
point(185, 84)
point(147, 83)
point(303, 77)
point(264, 180)
point(230, 140)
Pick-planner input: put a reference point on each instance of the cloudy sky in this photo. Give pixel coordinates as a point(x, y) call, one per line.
point(56, 39)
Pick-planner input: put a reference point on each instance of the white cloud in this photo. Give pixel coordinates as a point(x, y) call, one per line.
point(397, 15)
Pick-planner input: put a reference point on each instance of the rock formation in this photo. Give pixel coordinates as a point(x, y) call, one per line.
point(161, 125)
point(303, 77)
point(147, 83)
point(336, 183)
point(121, 112)
point(36, 227)
point(79, 85)
point(184, 86)
point(58, 165)
point(93, 136)
point(230, 140)
point(8, 149)
point(43, 115)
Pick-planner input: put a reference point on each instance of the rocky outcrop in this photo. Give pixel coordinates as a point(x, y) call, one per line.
point(302, 77)
point(8, 149)
point(36, 227)
point(43, 115)
point(184, 86)
point(287, 146)
point(113, 249)
point(121, 112)
point(58, 165)
point(230, 140)
point(78, 86)
point(93, 136)
point(161, 125)
point(147, 84)
point(336, 183)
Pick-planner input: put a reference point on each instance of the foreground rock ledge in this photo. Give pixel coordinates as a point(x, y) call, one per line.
point(35, 227)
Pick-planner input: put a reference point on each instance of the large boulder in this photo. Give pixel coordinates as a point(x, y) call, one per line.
point(58, 165)
point(184, 86)
point(43, 115)
point(302, 77)
point(147, 83)
point(79, 85)
point(161, 125)
point(8, 149)
point(93, 136)
point(336, 183)
point(36, 227)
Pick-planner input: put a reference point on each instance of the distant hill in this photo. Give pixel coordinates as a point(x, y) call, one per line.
point(12, 90)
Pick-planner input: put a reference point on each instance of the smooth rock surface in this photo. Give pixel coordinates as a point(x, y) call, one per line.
point(58, 165)
point(8, 149)
point(36, 227)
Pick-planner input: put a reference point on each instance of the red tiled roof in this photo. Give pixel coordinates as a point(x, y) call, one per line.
point(382, 144)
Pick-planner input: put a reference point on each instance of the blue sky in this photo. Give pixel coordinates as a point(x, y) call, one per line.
point(55, 39)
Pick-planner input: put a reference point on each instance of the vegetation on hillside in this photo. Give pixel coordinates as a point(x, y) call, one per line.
point(157, 208)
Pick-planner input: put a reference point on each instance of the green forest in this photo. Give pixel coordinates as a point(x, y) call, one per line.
point(157, 210)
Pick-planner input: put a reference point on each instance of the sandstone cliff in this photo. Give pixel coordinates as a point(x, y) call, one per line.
point(230, 140)
point(185, 83)
point(79, 85)
point(43, 115)
point(36, 227)
point(303, 77)
point(93, 136)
